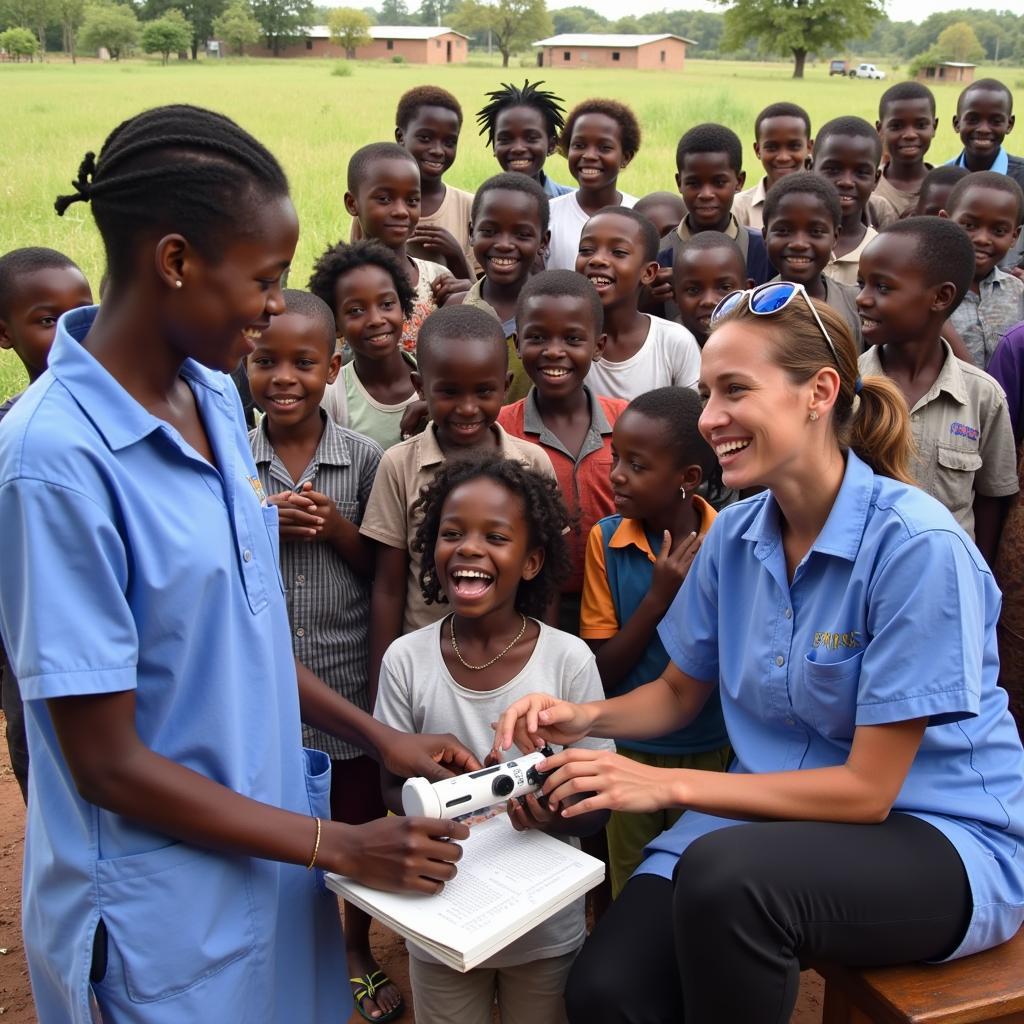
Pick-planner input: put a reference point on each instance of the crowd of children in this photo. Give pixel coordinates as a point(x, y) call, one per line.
point(476, 441)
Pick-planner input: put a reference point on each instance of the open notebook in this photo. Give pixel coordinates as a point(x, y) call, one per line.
point(508, 882)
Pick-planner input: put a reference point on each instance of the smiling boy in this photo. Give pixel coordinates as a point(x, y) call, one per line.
point(988, 206)
point(463, 376)
point(914, 275)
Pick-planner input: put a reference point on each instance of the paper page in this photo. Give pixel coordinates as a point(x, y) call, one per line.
point(505, 880)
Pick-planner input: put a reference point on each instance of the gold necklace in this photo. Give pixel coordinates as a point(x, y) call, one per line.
point(486, 664)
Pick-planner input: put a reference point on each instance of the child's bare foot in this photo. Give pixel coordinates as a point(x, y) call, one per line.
point(376, 995)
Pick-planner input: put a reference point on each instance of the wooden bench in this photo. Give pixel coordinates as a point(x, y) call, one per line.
point(987, 988)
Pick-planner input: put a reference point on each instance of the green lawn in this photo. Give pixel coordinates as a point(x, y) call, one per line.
point(313, 120)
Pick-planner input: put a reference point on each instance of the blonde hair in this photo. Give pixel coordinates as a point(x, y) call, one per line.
point(874, 423)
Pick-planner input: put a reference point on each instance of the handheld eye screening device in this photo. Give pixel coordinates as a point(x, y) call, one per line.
point(473, 791)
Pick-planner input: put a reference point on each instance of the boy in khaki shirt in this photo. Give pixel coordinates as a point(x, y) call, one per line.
point(462, 374)
point(914, 275)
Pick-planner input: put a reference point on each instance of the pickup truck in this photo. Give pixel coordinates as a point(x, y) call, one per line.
point(866, 71)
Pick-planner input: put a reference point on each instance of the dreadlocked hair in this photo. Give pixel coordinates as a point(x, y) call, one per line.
point(530, 95)
point(176, 168)
point(543, 509)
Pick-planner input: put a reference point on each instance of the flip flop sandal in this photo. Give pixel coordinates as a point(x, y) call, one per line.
point(367, 987)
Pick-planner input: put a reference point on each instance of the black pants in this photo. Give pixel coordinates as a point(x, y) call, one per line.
point(750, 903)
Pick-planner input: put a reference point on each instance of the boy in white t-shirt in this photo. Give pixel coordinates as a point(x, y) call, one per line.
point(600, 138)
point(618, 253)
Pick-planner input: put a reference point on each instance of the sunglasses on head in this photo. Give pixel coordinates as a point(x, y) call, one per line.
point(766, 299)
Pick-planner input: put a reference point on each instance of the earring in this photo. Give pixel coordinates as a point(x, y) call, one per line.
point(682, 492)
point(178, 283)
point(812, 415)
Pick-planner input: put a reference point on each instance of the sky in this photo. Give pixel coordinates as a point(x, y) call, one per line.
point(898, 10)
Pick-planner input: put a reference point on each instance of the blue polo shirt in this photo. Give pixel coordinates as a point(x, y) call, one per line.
point(890, 616)
point(131, 563)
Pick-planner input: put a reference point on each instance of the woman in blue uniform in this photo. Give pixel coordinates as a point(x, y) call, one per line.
point(874, 811)
point(172, 811)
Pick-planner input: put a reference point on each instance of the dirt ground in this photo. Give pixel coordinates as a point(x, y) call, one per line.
point(15, 994)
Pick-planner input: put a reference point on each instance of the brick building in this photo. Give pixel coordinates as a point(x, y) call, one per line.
point(598, 50)
point(416, 44)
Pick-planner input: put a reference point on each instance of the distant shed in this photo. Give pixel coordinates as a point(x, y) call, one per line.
point(947, 71)
point(598, 50)
point(415, 44)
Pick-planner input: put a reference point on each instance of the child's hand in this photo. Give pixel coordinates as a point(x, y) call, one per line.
point(414, 419)
point(297, 518)
point(529, 812)
point(445, 286)
point(660, 290)
point(327, 511)
point(671, 567)
point(437, 241)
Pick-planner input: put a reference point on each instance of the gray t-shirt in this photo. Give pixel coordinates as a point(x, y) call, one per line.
point(417, 694)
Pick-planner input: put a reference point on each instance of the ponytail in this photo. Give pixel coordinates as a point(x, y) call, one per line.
point(879, 429)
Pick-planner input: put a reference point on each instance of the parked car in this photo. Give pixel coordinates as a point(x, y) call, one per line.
point(839, 67)
point(866, 71)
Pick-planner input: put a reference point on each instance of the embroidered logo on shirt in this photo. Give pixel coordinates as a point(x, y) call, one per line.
point(963, 430)
point(833, 641)
point(254, 483)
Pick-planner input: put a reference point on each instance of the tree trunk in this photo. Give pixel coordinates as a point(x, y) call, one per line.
point(277, 46)
point(350, 53)
point(799, 58)
point(505, 54)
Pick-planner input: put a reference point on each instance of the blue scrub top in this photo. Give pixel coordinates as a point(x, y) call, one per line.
point(131, 563)
point(890, 616)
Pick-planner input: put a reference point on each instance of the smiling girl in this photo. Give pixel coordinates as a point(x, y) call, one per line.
point(875, 811)
point(493, 550)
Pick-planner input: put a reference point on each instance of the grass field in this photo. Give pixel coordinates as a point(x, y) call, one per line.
point(313, 120)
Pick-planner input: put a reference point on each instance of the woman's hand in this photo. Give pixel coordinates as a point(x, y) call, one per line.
point(433, 757)
point(394, 854)
point(613, 782)
point(538, 719)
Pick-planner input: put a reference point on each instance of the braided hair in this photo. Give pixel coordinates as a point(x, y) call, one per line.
point(176, 168)
point(530, 95)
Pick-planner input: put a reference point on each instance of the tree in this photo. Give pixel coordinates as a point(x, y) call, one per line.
point(237, 27)
point(961, 43)
point(513, 24)
point(70, 13)
point(167, 35)
point(18, 43)
point(349, 28)
point(394, 12)
point(112, 27)
point(435, 12)
point(42, 13)
point(798, 26)
point(578, 19)
point(282, 20)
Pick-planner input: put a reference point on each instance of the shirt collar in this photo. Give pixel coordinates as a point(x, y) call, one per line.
point(999, 165)
point(429, 449)
point(758, 195)
point(843, 530)
point(685, 232)
point(632, 532)
point(331, 450)
point(116, 415)
point(533, 423)
point(950, 378)
point(995, 278)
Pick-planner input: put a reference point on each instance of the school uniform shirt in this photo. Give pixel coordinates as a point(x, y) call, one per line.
point(584, 479)
point(453, 215)
point(669, 355)
point(521, 383)
point(350, 405)
point(748, 206)
point(620, 568)
point(133, 564)
point(389, 518)
point(751, 243)
point(1013, 167)
point(889, 617)
point(418, 694)
point(962, 432)
point(984, 317)
point(889, 204)
point(1007, 369)
point(845, 268)
point(328, 601)
point(566, 225)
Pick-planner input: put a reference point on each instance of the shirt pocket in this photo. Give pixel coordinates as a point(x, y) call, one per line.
point(954, 478)
point(177, 915)
point(827, 697)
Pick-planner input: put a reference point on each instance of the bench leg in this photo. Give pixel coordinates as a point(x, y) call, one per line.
point(839, 1010)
